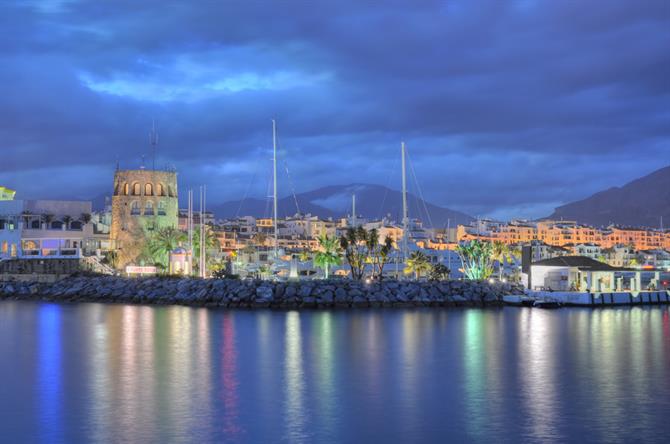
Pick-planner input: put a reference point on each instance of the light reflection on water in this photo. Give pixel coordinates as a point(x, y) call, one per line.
point(96, 373)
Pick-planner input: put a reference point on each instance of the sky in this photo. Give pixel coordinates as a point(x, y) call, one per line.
point(508, 108)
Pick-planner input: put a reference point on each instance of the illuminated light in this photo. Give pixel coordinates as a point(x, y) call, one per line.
point(504, 281)
point(368, 281)
point(491, 281)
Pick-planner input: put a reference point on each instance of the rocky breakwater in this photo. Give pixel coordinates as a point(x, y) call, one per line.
point(262, 294)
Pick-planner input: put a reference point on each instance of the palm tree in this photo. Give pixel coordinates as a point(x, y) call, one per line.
point(499, 252)
point(329, 253)
point(439, 272)
point(66, 222)
point(26, 216)
point(85, 218)
point(476, 259)
point(353, 243)
point(47, 219)
point(162, 242)
point(418, 264)
point(259, 239)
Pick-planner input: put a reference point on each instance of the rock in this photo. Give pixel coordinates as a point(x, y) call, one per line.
point(264, 294)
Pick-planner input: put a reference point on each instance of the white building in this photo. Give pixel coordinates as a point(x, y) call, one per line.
point(45, 228)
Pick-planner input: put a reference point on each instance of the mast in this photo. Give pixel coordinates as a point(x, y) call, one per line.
point(405, 221)
point(200, 264)
point(353, 210)
point(189, 225)
point(274, 181)
point(449, 251)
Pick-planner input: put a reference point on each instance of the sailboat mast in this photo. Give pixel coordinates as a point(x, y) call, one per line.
point(353, 210)
point(404, 201)
point(274, 181)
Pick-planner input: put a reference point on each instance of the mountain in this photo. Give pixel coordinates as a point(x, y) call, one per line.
point(372, 202)
point(641, 202)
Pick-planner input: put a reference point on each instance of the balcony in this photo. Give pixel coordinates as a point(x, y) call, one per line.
point(51, 253)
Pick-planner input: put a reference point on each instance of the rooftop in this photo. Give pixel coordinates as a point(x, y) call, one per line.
point(581, 262)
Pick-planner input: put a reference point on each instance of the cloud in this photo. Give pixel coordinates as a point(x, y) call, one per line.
point(507, 107)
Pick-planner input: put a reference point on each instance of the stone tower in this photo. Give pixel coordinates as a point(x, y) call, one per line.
point(143, 201)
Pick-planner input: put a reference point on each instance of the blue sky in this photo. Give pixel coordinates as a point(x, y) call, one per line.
point(508, 108)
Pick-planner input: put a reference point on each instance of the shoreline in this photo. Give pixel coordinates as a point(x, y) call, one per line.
point(253, 294)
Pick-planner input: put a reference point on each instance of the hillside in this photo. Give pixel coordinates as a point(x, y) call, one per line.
point(641, 202)
point(372, 201)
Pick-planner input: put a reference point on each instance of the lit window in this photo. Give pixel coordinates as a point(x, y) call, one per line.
point(126, 189)
point(148, 189)
point(136, 189)
point(160, 190)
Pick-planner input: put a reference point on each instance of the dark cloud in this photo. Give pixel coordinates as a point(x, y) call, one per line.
point(508, 108)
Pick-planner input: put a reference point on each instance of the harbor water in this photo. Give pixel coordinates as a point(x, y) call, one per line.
point(79, 373)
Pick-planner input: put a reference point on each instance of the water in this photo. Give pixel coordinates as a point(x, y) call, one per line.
point(116, 373)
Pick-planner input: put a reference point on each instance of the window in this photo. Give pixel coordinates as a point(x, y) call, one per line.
point(56, 225)
point(160, 190)
point(137, 191)
point(149, 209)
point(126, 189)
point(5, 247)
point(170, 193)
point(148, 189)
point(76, 225)
point(135, 208)
point(161, 208)
point(35, 225)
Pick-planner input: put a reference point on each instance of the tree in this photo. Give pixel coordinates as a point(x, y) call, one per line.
point(500, 252)
point(85, 218)
point(211, 242)
point(417, 264)
point(26, 216)
point(353, 243)
point(162, 242)
point(476, 259)
point(66, 222)
point(379, 253)
point(259, 239)
point(304, 256)
point(111, 258)
point(47, 219)
point(439, 272)
point(329, 254)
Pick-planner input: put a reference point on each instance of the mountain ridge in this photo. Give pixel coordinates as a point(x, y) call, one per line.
point(372, 202)
point(642, 202)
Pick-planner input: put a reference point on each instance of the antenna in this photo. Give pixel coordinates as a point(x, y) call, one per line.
point(153, 140)
point(405, 220)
